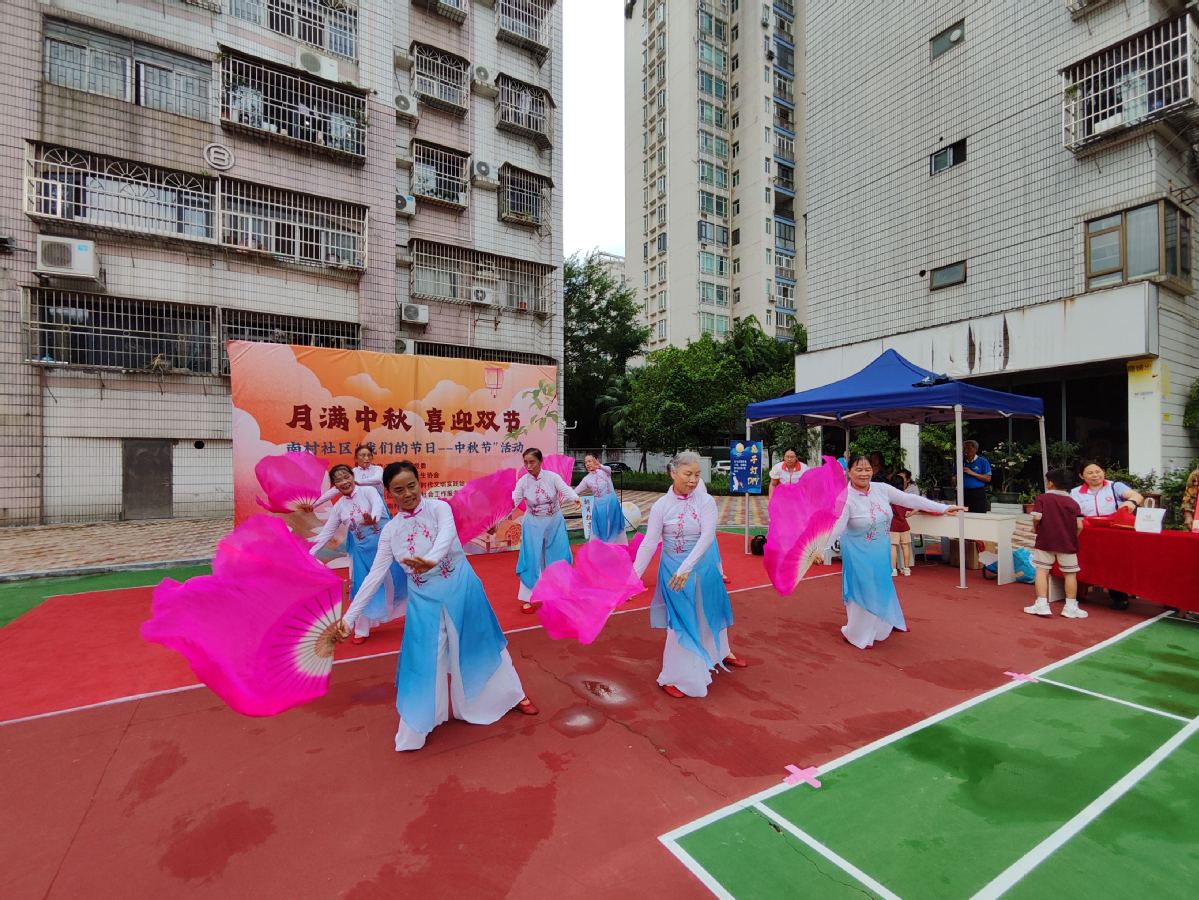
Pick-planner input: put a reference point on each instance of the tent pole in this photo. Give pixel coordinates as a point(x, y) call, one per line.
point(1044, 447)
point(957, 428)
point(748, 430)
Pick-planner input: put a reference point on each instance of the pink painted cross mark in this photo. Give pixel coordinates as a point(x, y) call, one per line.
point(798, 775)
point(1020, 676)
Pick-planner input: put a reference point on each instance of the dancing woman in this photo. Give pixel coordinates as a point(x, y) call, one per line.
point(543, 530)
point(690, 600)
point(453, 657)
point(365, 472)
point(867, 589)
point(607, 518)
point(362, 511)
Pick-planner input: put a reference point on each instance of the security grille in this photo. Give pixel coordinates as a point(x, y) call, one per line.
point(458, 275)
point(439, 174)
point(328, 24)
point(440, 79)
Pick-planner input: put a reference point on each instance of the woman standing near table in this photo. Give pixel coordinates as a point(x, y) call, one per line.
point(1098, 497)
point(690, 600)
point(869, 593)
point(543, 537)
point(607, 518)
point(453, 658)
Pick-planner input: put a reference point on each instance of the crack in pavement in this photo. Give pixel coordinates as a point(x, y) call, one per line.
point(815, 862)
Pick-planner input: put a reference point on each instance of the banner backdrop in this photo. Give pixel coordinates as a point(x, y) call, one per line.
point(455, 418)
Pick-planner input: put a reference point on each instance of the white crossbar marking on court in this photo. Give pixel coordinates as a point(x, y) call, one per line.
point(717, 815)
point(836, 859)
point(697, 870)
point(1108, 697)
point(1038, 854)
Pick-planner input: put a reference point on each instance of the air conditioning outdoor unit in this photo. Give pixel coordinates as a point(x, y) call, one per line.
point(416, 313)
point(483, 82)
point(67, 258)
point(406, 205)
point(484, 174)
point(405, 106)
point(482, 294)
point(315, 64)
point(405, 346)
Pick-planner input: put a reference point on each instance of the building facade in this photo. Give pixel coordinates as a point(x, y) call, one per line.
point(1010, 200)
point(712, 156)
point(180, 173)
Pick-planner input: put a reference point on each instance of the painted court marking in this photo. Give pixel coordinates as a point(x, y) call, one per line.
point(1111, 699)
point(802, 776)
point(755, 801)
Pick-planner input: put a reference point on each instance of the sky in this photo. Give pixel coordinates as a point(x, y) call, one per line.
point(593, 125)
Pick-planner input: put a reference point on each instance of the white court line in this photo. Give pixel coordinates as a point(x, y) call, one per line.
point(833, 857)
point(1108, 697)
point(191, 687)
point(773, 790)
point(697, 870)
point(1038, 854)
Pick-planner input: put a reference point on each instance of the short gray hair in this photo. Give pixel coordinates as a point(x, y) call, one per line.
point(683, 458)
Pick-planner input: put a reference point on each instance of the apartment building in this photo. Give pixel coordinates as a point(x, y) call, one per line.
point(180, 173)
point(1009, 198)
point(712, 157)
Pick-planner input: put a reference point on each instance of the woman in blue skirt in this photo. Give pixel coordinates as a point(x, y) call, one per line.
point(607, 518)
point(543, 530)
point(454, 657)
point(360, 509)
point(690, 599)
point(864, 530)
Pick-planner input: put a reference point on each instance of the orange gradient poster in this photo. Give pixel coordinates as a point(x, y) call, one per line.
point(455, 418)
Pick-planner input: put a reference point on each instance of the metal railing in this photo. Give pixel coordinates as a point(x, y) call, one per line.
point(440, 174)
point(440, 79)
point(525, 23)
point(460, 275)
point(275, 102)
point(1141, 79)
point(328, 24)
point(525, 110)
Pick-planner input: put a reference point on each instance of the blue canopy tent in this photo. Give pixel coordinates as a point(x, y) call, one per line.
point(893, 391)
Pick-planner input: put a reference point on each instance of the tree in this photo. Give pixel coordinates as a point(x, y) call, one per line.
point(601, 333)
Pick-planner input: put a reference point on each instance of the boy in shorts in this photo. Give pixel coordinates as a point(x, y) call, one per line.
point(1057, 520)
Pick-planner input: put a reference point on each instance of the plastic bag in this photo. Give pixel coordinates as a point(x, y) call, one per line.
point(1022, 565)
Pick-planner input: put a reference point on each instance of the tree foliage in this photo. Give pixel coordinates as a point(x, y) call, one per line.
point(601, 334)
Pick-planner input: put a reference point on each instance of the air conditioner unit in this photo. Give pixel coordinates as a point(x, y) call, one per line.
point(315, 64)
point(484, 174)
point(416, 313)
point(482, 294)
point(406, 205)
point(67, 258)
point(483, 82)
point(405, 106)
point(405, 346)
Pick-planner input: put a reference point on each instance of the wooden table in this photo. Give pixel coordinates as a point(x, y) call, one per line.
point(992, 527)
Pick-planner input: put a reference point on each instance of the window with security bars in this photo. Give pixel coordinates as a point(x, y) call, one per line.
point(459, 275)
point(273, 101)
point(97, 191)
point(454, 10)
point(523, 109)
point(440, 79)
point(524, 23)
point(524, 197)
point(440, 174)
point(486, 354)
point(88, 60)
point(245, 325)
point(328, 24)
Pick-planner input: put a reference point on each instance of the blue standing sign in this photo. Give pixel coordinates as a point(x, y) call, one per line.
point(745, 467)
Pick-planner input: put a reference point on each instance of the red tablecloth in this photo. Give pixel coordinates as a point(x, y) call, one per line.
point(1162, 567)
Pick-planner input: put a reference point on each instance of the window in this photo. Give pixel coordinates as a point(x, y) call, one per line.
point(98, 63)
point(662, 301)
point(784, 236)
point(1149, 240)
point(711, 233)
point(662, 272)
point(713, 204)
point(662, 214)
point(713, 145)
point(661, 185)
point(736, 121)
point(439, 174)
point(524, 196)
point(712, 56)
point(272, 101)
point(713, 294)
point(736, 236)
point(661, 329)
point(737, 207)
point(711, 264)
point(708, 84)
point(713, 324)
point(710, 114)
point(947, 39)
point(736, 62)
point(947, 157)
point(524, 22)
point(328, 24)
point(294, 227)
point(709, 24)
point(524, 109)
point(736, 265)
point(713, 174)
point(440, 78)
point(460, 275)
point(661, 242)
point(947, 276)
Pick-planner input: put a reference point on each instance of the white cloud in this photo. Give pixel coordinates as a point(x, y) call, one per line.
point(593, 125)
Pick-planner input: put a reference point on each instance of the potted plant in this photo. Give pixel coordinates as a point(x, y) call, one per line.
point(1027, 497)
point(1008, 460)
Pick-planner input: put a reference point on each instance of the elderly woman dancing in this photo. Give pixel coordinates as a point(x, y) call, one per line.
point(543, 537)
point(690, 600)
point(607, 518)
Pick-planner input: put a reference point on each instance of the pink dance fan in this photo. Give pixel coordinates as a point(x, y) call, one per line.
point(562, 465)
point(259, 631)
point(803, 517)
point(291, 481)
point(482, 502)
point(576, 602)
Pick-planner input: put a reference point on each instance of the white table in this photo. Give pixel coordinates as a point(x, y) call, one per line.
point(979, 527)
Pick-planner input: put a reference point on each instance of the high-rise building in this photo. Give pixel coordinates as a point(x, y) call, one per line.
point(711, 163)
point(1011, 201)
point(175, 175)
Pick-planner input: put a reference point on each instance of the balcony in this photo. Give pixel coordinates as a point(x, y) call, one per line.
point(1147, 78)
point(524, 110)
point(525, 24)
point(275, 104)
point(440, 79)
point(784, 148)
point(785, 122)
point(439, 175)
point(787, 273)
point(784, 89)
point(454, 10)
point(785, 6)
point(330, 25)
